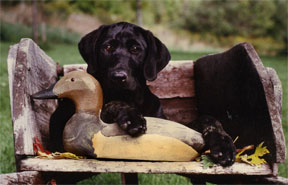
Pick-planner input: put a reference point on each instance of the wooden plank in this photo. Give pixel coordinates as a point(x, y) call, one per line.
point(273, 93)
point(11, 62)
point(74, 67)
point(275, 109)
point(181, 110)
point(98, 166)
point(27, 177)
point(175, 80)
point(33, 71)
point(275, 180)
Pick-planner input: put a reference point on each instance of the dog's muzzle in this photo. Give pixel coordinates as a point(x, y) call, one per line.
point(119, 76)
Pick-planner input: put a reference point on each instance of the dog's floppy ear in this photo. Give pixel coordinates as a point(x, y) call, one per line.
point(157, 57)
point(87, 47)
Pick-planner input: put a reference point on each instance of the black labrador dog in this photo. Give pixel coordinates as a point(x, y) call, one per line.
point(122, 57)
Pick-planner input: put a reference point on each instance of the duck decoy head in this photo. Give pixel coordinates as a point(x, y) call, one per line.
point(79, 86)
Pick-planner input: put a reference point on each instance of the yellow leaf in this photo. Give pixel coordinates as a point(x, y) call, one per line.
point(43, 155)
point(254, 159)
point(260, 151)
point(240, 151)
point(71, 156)
point(58, 155)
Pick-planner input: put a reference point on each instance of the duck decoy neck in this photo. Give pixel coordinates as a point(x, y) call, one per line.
point(86, 101)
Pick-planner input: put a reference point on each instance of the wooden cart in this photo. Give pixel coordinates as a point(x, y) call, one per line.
point(224, 83)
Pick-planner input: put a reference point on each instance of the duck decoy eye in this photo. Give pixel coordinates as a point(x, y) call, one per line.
point(72, 80)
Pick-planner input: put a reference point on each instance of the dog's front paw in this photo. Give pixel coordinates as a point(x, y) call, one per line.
point(222, 149)
point(132, 122)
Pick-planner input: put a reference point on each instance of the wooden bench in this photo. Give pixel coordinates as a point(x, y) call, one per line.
point(31, 70)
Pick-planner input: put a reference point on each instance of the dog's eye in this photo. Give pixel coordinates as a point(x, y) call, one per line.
point(109, 48)
point(134, 49)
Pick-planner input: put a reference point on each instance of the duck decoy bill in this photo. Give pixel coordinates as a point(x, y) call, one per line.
point(45, 94)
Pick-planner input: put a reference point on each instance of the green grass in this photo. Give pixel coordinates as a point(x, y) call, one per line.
point(68, 54)
point(7, 161)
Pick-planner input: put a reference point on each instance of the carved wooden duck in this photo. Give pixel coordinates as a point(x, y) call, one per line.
point(86, 134)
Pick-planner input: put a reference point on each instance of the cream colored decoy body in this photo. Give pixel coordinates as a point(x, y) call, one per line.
point(86, 134)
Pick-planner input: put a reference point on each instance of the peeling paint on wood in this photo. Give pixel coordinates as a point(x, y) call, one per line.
point(28, 177)
point(273, 94)
point(175, 80)
point(98, 166)
point(30, 70)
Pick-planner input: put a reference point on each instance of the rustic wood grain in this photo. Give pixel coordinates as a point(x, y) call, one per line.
point(281, 153)
point(181, 110)
point(32, 72)
point(273, 94)
point(11, 62)
point(275, 180)
point(27, 177)
point(98, 166)
point(175, 80)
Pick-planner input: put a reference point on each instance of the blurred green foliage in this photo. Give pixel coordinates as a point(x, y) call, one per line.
point(14, 32)
point(239, 18)
point(264, 22)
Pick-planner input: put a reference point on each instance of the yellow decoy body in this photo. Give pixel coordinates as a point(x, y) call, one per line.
point(86, 134)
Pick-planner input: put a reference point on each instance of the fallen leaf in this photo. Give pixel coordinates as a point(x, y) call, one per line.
point(58, 155)
point(255, 159)
point(67, 155)
point(240, 151)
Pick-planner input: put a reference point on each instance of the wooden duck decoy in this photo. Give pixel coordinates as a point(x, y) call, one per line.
point(86, 134)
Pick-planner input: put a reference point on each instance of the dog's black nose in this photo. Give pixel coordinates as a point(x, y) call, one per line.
point(119, 76)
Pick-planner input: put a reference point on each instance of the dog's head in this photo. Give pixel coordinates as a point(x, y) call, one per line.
point(123, 55)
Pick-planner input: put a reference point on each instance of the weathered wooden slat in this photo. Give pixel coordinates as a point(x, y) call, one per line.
point(275, 180)
point(182, 110)
point(98, 166)
point(27, 177)
point(273, 93)
point(175, 80)
point(11, 62)
point(73, 67)
point(32, 72)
